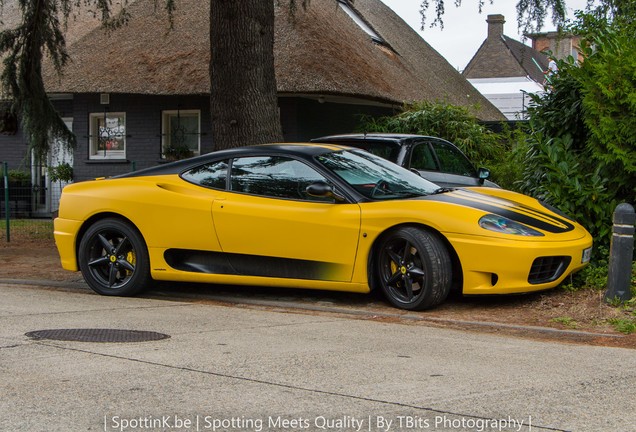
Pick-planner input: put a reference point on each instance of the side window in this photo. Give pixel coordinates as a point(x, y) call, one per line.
point(453, 161)
point(274, 177)
point(422, 158)
point(212, 175)
point(384, 150)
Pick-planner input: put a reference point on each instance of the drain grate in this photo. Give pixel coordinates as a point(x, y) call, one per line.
point(97, 335)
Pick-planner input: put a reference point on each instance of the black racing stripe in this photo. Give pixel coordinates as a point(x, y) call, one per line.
point(508, 212)
point(556, 218)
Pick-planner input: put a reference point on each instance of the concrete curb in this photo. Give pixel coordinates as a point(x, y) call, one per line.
point(290, 306)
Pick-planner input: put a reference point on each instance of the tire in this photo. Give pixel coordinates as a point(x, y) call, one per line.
point(114, 259)
point(413, 269)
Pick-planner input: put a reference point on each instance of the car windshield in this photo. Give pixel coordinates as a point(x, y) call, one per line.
point(375, 177)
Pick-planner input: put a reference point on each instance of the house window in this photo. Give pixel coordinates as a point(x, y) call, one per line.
point(180, 134)
point(355, 16)
point(108, 136)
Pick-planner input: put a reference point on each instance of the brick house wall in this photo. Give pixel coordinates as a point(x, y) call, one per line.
point(143, 130)
point(302, 119)
point(560, 45)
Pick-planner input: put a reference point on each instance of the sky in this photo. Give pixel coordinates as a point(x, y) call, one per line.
point(464, 27)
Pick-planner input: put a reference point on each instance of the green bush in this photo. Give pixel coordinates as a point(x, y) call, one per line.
point(608, 87)
point(450, 122)
point(594, 276)
point(582, 142)
point(556, 173)
point(62, 172)
point(507, 169)
point(19, 176)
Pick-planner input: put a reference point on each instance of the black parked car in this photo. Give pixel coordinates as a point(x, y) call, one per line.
point(433, 158)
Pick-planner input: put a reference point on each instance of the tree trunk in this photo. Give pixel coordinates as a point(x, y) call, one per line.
point(244, 101)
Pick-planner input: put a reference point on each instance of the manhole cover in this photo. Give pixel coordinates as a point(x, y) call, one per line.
point(97, 335)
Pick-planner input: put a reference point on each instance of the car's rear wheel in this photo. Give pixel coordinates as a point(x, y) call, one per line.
point(114, 259)
point(413, 268)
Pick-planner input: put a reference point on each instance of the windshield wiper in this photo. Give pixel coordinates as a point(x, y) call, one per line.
point(407, 194)
point(443, 190)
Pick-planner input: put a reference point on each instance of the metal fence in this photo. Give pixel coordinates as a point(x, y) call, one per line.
point(25, 212)
point(30, 195)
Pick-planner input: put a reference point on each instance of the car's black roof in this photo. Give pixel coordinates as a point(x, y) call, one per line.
point(397, 138)
point(298, 150)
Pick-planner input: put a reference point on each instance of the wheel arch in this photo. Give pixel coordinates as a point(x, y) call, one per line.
point(96, 218)
point(457, 276)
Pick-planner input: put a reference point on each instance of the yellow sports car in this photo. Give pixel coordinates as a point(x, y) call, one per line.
point(318, 216)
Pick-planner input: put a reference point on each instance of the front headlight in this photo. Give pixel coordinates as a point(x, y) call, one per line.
point(500, 224)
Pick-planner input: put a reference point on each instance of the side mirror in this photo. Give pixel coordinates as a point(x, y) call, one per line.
point(483, 174)
point(321, 189)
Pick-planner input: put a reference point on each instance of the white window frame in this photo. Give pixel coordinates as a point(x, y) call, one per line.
point(355, 16)
point(166, 115)
point(105, 153)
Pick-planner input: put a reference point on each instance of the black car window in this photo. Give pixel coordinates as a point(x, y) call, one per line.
point(384, 150)
point(452, 160)
point(275, 177)
point(212, 175)
point(422, 158)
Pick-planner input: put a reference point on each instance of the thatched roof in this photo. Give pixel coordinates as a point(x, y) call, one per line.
point(322, 51)
point(78, 23)
point(142, 57)
point(325, 52)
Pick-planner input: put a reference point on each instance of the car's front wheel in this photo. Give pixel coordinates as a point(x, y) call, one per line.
point(413, 268)
point(114, 259)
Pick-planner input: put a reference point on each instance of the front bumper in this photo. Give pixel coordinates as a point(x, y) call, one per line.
point(501, 266)
point(65, 234)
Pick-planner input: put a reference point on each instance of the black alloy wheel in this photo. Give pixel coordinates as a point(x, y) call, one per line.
point(114, 259)
point(413, 269)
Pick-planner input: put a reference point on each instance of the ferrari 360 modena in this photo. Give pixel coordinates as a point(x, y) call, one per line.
point(317, 216)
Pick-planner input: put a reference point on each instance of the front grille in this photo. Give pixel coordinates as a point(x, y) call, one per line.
point(548, 269)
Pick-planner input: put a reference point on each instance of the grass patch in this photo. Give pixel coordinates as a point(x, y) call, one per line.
point(566, 321)
point(27, 229)
point(623, 325)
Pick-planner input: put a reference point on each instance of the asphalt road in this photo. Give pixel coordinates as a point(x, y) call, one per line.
point(233, 368)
